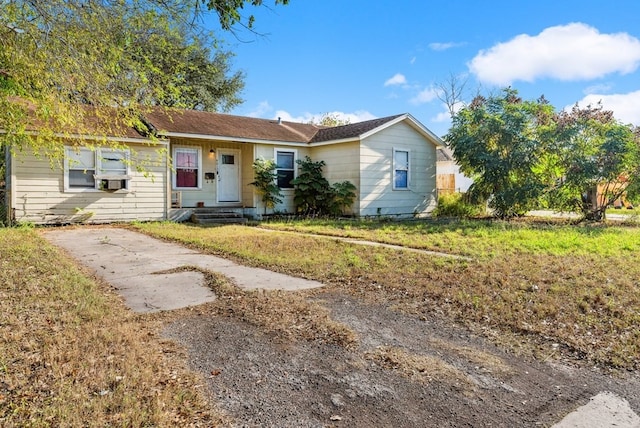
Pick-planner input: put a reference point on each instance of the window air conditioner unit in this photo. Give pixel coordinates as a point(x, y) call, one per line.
point(114, 184)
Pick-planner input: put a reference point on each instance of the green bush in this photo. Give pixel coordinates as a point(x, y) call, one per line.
point(314, 196)
point(264, 172)
point(457, 205)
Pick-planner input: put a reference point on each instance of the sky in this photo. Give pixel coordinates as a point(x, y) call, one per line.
point(364, 59)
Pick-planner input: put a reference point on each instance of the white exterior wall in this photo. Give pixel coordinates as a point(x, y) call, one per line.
point(462, 181)
point(38, 195)
point(377, 196)
point(342, 164)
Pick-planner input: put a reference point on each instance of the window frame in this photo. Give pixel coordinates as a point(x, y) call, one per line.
point(174, 169)
point(396, 167)
point(99, 177)
point(294, 169)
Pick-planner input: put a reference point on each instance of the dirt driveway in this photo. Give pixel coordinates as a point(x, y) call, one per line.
point(404, 371)
point(464, 381)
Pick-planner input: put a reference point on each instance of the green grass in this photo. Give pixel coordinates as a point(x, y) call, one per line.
point(578, 286)
point(72, 355)
point(624, 211)
point(480, 238)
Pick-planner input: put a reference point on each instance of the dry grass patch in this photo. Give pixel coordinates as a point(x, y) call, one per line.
point(288, 315)
point(482, 359)
point(72, 355)
point(422, 368)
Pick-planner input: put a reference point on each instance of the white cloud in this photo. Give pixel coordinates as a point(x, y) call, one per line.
point(354, 117)
point(625, 107)
point(425, 96)
point(412, 60)
point(397, 79)
point(262, 109)
point(444, 46)
point(442, 117)
point(574, 51)
point(600, 88)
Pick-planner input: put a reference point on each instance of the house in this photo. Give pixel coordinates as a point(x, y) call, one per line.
point(201, 159)
point(449, 178)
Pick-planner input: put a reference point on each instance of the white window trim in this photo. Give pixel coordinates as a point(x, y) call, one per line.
point(393, 170)
point(174, 171)
point(97, 154)
point(295, 163)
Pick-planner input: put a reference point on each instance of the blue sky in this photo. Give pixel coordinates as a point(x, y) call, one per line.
point(362, 59)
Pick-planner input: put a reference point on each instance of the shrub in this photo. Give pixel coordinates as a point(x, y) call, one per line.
point(314, 195)
point(457, 205)
point(265, 175)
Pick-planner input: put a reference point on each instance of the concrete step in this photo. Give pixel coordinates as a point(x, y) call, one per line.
point(213, 216)
point(219, 220)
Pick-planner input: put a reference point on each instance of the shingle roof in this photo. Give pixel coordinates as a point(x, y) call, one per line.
point(90, 120)
point(169, 122)
point(350, 131)
point(444, 155)
point(226, 125)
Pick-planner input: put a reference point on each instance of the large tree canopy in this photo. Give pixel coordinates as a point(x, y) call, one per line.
point(58, 55)
point(498, 141)
point(523, 153)
point(596, 159)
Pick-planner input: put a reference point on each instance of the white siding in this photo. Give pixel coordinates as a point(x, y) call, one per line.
point(377, 196)
point(38, 194)
point(342, 164)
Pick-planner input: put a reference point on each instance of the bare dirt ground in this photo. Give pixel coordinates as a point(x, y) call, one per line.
point(405, 371)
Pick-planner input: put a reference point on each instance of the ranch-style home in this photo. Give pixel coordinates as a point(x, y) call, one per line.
point(203, 161)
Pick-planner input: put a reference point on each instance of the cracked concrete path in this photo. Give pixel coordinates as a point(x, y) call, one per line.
point(136, 264)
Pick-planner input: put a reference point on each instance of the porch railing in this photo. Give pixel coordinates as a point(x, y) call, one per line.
point(176, 199)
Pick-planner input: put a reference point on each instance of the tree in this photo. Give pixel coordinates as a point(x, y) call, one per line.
point(265, 176)
point(596, 158)
point(228, 11)
point(500, 141)
point(452, 92)
point(331, 120)
point(56, 55)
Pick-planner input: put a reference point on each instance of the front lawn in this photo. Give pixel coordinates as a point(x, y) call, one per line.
point(72, 355)
point(548, 288)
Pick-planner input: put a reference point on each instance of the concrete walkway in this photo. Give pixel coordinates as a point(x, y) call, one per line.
point(133, 263)
point(356, 241)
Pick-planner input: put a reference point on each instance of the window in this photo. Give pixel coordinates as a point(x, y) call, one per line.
point(187, 168)
point(285, 168)
point(81, 164)
point(92, 170)
point(400, 169)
